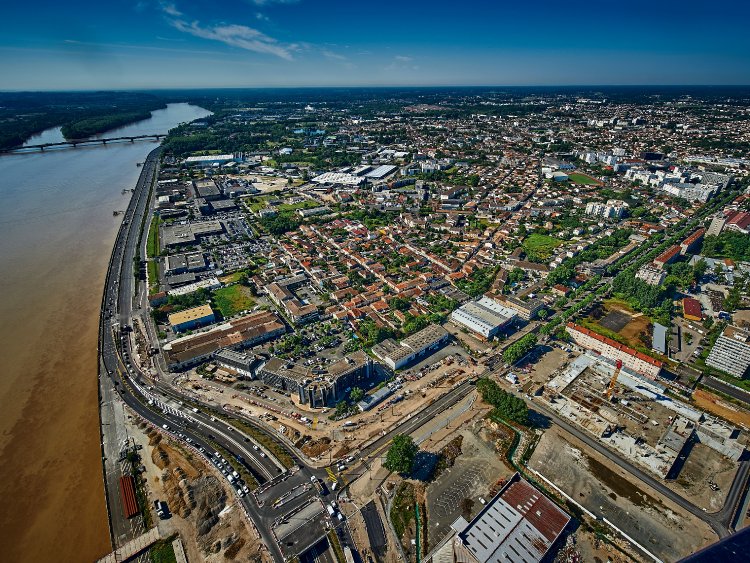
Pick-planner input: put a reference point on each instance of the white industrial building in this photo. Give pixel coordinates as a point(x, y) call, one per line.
point(485, 316)
point(396, 355)
point(209, 160)
point(519, 524)
point(342, 178)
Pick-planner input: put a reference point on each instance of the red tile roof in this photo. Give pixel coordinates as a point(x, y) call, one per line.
point(692, 307)
point(668, 254)
point(694, 237)
point(621, 347)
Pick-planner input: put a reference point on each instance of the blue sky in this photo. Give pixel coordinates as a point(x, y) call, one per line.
point(121, 44)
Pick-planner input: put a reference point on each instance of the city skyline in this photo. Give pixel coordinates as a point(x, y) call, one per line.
point(288, 43)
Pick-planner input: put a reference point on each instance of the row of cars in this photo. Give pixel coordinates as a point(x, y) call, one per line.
point(240, 487)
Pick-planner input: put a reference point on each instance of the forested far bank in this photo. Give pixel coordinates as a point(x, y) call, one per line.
point(79, 114)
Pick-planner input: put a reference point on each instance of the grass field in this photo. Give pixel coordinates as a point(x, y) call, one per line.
point(162, 552)
point(584, 179)
point(629, 332)
point(231, 278)
point(152, 243)
point(153, 274)
point(540, 247)
point(232, 299)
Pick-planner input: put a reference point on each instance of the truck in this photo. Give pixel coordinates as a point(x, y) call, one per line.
point(331, 511)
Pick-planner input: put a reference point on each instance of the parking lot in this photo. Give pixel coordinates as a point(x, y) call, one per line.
point(686, 339)
point(457, 490)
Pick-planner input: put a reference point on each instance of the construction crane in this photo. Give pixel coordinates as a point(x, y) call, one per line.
point(612, 381)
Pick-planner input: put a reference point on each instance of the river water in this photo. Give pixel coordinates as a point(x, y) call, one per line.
point(56, 236)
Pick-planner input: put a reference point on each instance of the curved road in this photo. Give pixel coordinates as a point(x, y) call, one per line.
point(114, 351)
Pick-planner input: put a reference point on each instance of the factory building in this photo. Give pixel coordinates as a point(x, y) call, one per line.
point(191, 318)
point(182, 235)
point(396, 355)
point(209, 160)
point(519, 524)
point(485, 317)
point(181, 263)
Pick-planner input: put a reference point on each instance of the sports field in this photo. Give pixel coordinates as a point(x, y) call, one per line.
point(584, 179)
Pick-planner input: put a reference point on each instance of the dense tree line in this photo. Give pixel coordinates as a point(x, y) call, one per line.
point(519, 349)
point(507, 406)
point(653, 300)
point(478, 282)
point(281, 223)
point(602, 248)
point(728, 244)
point(80, 114)
point(684, 275)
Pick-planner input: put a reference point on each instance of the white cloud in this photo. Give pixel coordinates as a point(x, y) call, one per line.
point(170, 9)
point(240, 36)
point(331, 55)
point(403, 58)
point(262, 17)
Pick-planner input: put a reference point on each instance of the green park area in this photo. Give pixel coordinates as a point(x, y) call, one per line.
point(232, 299)
point(539, 247)
point(584, 179)
point(152, 242)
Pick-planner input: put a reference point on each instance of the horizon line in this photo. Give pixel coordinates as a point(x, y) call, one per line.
point(364, 86)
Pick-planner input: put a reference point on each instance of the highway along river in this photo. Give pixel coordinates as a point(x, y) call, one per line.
point(56, 235)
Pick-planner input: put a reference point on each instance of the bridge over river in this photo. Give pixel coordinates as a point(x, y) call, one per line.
point(86, 142)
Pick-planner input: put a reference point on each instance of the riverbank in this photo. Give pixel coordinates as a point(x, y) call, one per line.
point(79, 114)
point(57, 239)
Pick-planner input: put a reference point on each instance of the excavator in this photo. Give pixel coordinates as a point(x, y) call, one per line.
point(611, 389)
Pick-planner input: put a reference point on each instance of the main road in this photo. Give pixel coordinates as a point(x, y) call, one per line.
point(164, 409)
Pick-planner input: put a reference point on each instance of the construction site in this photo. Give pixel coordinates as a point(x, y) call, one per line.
point(642, 419)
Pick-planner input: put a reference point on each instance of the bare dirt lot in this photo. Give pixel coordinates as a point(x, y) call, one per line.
point(457, 490)
point(702, 465)
point(712, 403)
point(607, 491)
point(539, 372)
point(616, 316)
point(203, 509)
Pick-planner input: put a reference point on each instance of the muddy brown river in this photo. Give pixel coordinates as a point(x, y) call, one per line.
point(56, 235)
